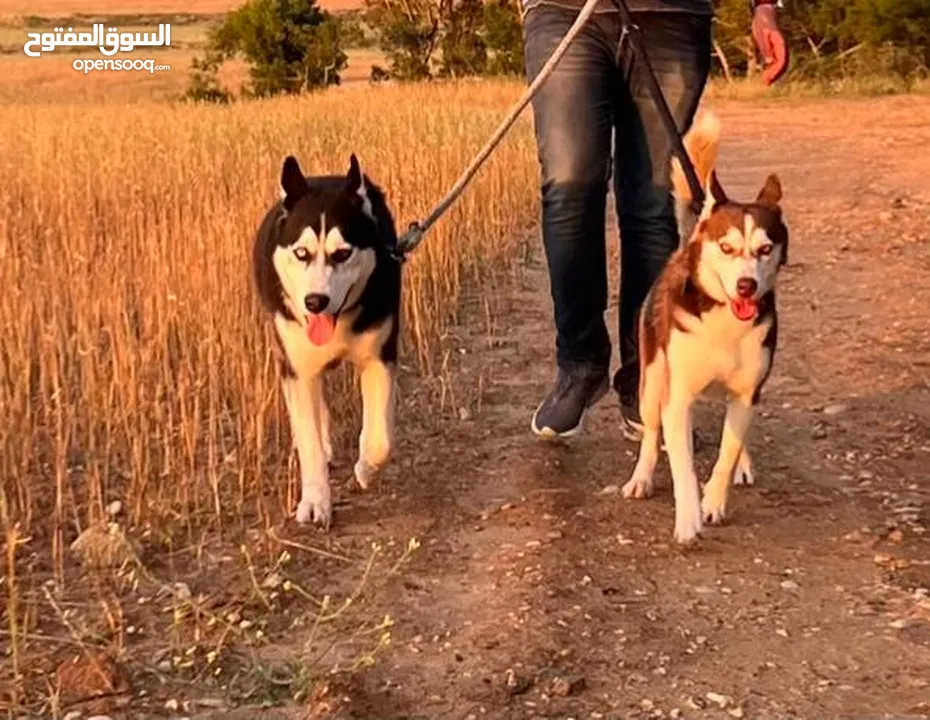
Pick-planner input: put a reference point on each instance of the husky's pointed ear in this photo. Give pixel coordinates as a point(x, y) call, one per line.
point(770, 194)
point(713, 195)
point(355, 174)
point(293, 183)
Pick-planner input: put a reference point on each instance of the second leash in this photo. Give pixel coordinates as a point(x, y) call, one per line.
point(415, 233)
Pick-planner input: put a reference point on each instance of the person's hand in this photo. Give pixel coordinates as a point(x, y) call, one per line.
point(770, 41)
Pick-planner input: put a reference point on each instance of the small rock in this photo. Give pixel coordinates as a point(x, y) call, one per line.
point(697, 703)
point(736, 712)
point(782, 632)
point(565, 685)
point(789, 585)
point(898, 624)
point(172, 705)
point(819, 432)
point(73, 715)
point(609, 490)
point(896, 536)
point(674, 713)
point(99, 717)
point(514, 684)
point(114, 508)
point(646, 704)
point(464, 414)
point(835, 409)
point(718, 699)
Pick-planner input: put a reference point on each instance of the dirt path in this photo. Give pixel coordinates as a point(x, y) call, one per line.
point(811, 602)
point(797, 607)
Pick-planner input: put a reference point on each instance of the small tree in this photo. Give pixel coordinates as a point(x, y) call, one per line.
point(409, 34)
point(503, 34)
point(464, 51)
point(290, 45)
point(204, 83)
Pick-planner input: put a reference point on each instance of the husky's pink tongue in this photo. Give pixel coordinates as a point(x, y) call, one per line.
point(320, 328)
point(744, 308)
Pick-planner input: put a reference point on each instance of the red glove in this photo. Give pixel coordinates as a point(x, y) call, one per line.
point(770, 41)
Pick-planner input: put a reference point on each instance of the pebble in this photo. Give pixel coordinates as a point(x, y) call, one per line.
point(674, 713)
point(835, 409)
point(718, 699)
point(697, 703)
point(565, 685)
point(515, 684)
point(609, 490)
point(819, 432)
point(464, 414)
point(172, 705)
point(736, 712)
point(114, 508)
point(789, 585)
point(73, 715)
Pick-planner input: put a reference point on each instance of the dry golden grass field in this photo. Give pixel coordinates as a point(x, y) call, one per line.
point(151, 566)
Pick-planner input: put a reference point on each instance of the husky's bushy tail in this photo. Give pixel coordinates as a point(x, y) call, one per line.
point(702, 143)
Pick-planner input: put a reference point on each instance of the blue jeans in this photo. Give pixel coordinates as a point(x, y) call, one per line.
point(595, 93)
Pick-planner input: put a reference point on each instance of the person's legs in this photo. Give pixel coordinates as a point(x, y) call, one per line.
point(573, 114)
point(678, 46)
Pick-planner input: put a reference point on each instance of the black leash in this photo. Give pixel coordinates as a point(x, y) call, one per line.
point(632, 32)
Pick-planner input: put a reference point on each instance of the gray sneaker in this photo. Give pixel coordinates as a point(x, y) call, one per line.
point(562, 412)
point(626, 385)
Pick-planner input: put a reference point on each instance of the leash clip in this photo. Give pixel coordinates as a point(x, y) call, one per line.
point(408, 241)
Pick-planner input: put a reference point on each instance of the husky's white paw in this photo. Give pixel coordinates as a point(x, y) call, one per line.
point(317, 508)
point(364, 473)
point(638, 488)
point(688, 525)
point(714, 505)
point(743, 473)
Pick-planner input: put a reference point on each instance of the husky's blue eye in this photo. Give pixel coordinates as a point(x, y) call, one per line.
point(764, 250)
point(340, 256)
point(302, 254)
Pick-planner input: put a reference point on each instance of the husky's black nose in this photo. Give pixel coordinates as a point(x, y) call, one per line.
point(316, 302)
point(746, 287)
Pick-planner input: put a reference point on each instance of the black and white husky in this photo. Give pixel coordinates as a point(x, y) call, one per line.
point(324, 269)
